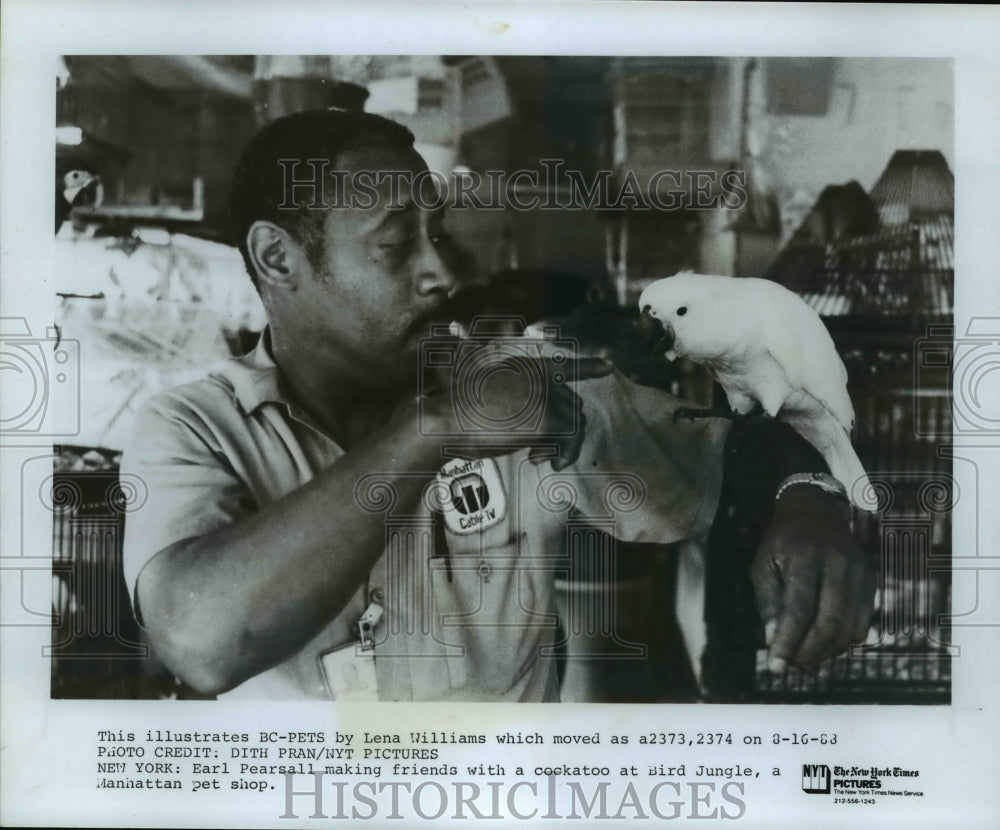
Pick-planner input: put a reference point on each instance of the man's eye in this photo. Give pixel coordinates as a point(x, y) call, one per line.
point(396, 244)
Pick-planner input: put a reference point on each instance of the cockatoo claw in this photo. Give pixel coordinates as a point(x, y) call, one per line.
point(692, 414)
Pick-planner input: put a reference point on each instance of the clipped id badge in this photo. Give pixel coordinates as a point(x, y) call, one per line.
point(349, 670)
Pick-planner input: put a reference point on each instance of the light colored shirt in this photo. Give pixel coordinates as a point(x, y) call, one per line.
point(473, 618)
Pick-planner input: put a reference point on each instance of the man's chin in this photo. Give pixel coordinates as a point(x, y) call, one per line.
point(404, 371)
point(430, 330)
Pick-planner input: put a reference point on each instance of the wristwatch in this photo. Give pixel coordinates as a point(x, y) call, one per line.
point(824, 481)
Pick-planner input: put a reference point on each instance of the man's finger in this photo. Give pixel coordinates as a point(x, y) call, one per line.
point(769, 588)
point(561, 393)
point(829, 632)
point(560, 451)
point(866, 605)
point(562, 436)
point(538, 454)
point(577, 368)
point(569, 450)
point(799, 607)
point(570, 445)
point(563, 406)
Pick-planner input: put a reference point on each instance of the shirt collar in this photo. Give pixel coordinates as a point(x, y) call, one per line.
point(256, 378)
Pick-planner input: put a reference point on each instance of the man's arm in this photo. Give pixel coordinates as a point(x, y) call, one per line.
point(225, 606)
point(815, 588)
point(241, 591)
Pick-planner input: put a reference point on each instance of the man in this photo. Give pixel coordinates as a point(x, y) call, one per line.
point(351, 477)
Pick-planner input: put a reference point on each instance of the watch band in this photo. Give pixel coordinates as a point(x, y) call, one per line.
point(824, 481)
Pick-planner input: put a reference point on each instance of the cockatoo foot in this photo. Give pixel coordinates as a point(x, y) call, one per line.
point(692, 414)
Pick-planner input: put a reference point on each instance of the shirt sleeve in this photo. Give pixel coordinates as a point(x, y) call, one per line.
point(660, 481)
point(187, 487)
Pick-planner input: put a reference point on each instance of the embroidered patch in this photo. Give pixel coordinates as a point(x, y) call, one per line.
point(477, 500)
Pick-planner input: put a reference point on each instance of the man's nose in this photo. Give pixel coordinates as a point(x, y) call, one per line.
point(433, 272)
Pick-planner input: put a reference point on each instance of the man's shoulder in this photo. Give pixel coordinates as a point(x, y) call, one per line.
point(210, 403)
point(214, 391)
point(188, 419)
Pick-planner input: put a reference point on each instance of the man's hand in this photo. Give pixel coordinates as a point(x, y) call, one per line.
point(500, 397)
point(815, 589)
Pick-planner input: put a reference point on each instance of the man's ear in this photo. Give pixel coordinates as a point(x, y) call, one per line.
point(274, 255)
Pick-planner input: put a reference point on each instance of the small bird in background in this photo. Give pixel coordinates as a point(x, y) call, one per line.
point(765, 346)
point(75, 188)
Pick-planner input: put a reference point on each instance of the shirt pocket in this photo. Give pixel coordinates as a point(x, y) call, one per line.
point(494, 609)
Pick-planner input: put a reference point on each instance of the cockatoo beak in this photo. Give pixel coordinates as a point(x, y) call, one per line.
point(656, 336)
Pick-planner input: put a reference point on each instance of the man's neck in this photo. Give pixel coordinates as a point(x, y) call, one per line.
point(344, 403)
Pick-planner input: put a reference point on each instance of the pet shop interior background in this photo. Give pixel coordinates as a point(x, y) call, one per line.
point(155, 294)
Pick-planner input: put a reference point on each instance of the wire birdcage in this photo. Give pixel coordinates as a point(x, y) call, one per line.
point(882, 277)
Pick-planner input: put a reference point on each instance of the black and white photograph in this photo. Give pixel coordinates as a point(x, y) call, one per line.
point(585, 200)
point(369, 389)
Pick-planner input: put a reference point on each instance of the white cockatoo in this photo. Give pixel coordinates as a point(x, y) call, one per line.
point(764, 345)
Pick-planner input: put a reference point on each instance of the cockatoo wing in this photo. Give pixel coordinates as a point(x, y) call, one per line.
point(796, 338)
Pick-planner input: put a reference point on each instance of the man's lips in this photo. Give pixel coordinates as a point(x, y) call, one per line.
point(428, 323)
point(462, 307)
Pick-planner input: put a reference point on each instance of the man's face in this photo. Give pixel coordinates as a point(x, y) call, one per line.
point(384, 272)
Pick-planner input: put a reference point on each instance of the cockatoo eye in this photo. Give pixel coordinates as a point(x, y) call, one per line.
point(682, 311)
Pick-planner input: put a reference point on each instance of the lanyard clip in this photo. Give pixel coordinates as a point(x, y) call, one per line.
point(365, 626)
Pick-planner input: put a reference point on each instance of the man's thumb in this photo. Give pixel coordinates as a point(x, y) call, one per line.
point(768, 585)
